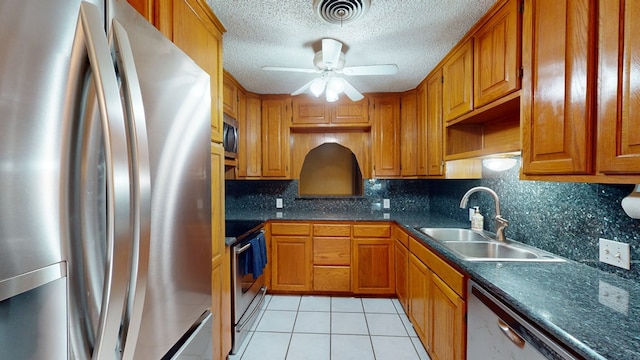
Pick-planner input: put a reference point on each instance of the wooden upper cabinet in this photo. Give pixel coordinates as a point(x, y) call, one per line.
point(409, 145)
point(230, 96)
point(457, 88)
point(422, 129)
point(310, 111)
point(347, 112)
point(497, 55)
point(618, 140)
point(386, 136)
point(557, 88)
point(276, 115)
point(317, 112)
point(193, 27)
point(249, 139)
point(433, 119)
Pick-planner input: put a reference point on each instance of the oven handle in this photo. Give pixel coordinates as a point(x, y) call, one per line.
point(263, 290)
point(242, 249)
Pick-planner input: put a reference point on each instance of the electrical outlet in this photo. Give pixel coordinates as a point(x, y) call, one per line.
point(278, 203)
point(613, 297)
point(386, 203)
point(615, 253)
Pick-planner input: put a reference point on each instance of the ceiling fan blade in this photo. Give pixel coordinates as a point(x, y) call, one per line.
point(386, 69)
point(351, 92)
point(331, 52)
point(302, 89)
point(279, 68)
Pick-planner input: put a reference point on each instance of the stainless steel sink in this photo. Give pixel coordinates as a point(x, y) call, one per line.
point(481, 246)
point(454, 234)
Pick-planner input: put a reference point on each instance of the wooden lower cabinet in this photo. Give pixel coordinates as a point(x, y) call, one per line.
point(447, 321)
point(373, 266)
point(291, 257)
point(418, 295)
point(401, 254)
point(437, 307)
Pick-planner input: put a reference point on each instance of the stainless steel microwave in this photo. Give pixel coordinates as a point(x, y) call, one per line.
point(230, 136)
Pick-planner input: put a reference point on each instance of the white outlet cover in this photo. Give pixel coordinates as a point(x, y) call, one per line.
point(278, 203)
point(386, 203)
point(613, 297)
point(615, 253)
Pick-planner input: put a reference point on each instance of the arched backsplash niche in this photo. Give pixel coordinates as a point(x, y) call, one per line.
point(331, 164)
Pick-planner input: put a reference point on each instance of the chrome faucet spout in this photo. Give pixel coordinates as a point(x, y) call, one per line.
point(501, 223)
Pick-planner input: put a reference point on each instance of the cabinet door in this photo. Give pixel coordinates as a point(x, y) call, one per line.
point(418, 297)
point(386, 137)
point(557, 94)
point(373, 267)
point(402, 274)
point(458, 82)
point(249, 139)
point(434, 131)
point(496, 56)
point(347, 112)
point(229, 97)
point(292, 268)
point(220, 262)
point(446, 316)
point(619, 88)
point(194, 28)
point(422, 129)
point(276, 114)
point(310, 111)
point(409, 131)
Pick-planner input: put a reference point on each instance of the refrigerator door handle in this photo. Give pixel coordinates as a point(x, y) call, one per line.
point(141, 185)
point(118, 178)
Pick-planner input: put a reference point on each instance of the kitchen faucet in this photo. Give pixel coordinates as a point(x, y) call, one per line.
point(501, 223)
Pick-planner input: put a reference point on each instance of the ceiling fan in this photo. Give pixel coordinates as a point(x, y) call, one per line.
point(328, 63)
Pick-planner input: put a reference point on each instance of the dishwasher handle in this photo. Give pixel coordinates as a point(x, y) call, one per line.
point(510, 334)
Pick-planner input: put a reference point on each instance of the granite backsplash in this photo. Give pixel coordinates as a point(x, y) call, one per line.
point(564, 218)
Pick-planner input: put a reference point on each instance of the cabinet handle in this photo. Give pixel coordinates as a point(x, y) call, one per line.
point(509, 333)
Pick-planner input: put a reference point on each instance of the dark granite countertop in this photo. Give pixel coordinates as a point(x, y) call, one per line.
point(566, 300)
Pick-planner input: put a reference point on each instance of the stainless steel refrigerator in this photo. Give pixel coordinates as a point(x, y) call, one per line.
point(105, 230)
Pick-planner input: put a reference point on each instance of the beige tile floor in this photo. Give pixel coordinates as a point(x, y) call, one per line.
point(331, 328)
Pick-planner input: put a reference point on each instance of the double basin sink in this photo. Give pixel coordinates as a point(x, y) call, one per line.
point(482, 246)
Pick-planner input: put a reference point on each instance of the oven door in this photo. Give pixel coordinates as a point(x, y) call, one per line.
point(245, 287)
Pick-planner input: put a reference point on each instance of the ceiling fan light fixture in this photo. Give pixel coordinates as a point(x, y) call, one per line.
point(331, 95)
point(335, 85)
point(317, 86)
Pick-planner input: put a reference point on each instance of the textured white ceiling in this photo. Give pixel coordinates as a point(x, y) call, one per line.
point(414, 34)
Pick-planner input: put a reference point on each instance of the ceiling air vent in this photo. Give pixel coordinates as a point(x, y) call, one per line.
point(341, 12)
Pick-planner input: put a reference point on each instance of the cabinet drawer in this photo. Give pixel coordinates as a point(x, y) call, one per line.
point(401, 236)
point(331, 251)
point(332, 278)
point(372, 231)
point(290, 229)
point(452, 277)
point(332, 230)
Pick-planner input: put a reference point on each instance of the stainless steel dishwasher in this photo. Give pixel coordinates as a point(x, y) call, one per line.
point(495, 332)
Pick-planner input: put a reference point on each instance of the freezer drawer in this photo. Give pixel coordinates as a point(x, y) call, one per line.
point(33, 324)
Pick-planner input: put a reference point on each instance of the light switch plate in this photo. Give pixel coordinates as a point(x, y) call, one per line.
point(386, 203)
point(613, 297)
point(278, 203)
point(615, 253)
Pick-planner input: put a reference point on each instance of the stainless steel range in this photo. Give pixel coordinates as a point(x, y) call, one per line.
point(248, 288)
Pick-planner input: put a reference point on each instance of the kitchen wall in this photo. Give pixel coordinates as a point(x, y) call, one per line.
point(564, 218)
